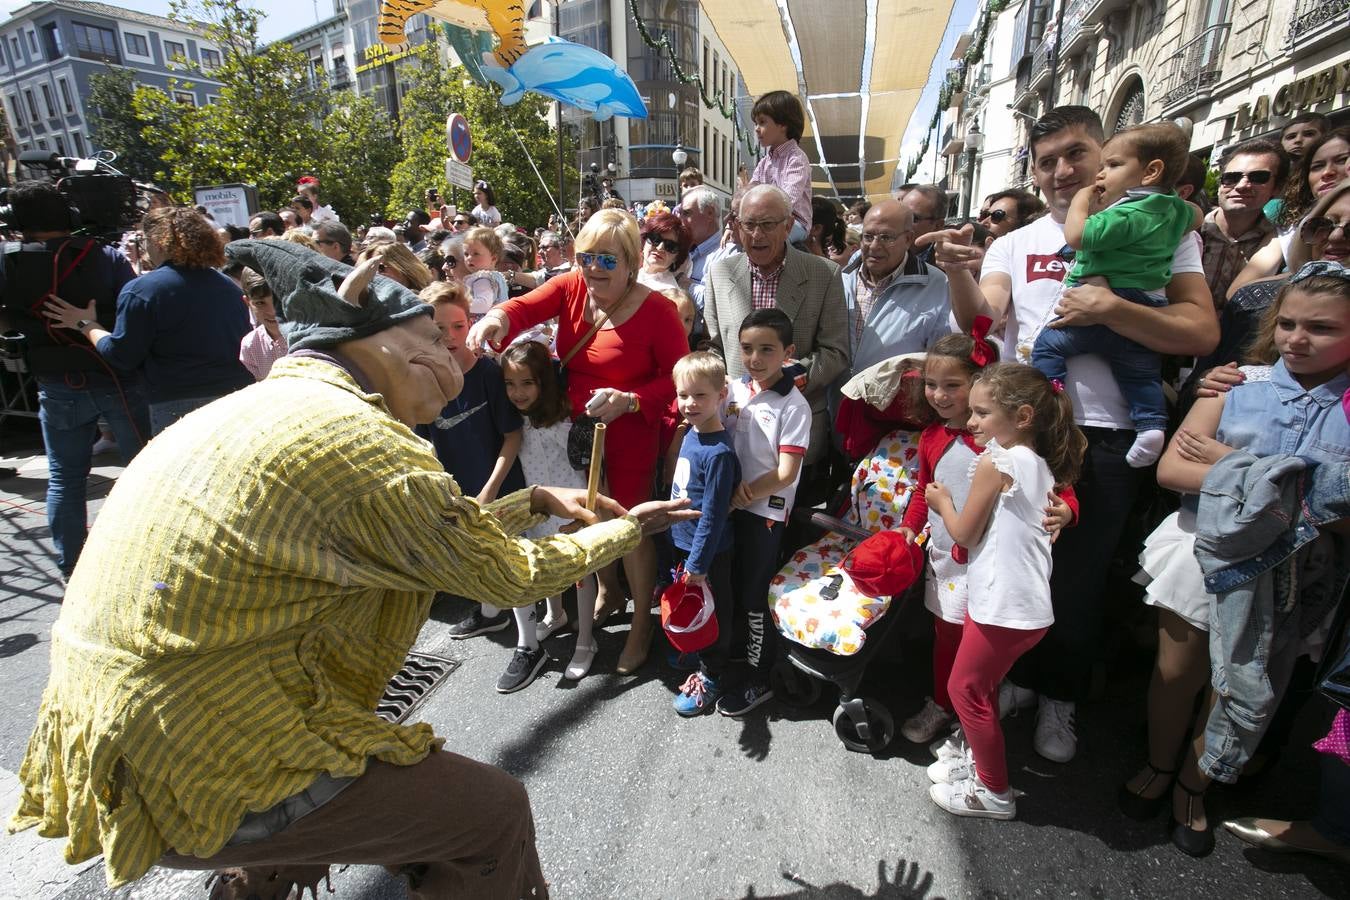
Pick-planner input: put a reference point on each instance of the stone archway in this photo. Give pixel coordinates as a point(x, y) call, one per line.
point(1130, 106)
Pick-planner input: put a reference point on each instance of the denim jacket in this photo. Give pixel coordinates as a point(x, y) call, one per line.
point(1276, 578)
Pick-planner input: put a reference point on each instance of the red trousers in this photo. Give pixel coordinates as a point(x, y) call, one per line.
point(986, 654)
point(946, 638)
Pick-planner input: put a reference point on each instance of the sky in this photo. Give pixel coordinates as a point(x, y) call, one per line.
point(280, 17)
point(962, 17)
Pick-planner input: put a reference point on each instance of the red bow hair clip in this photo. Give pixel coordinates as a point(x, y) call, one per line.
point(1056, 385)
point(982, 354)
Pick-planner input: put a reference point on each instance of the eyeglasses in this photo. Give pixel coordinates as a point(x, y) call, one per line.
point(884, 240)
point(254, 232)
point(1256, 176)
point(666, 244)
point(1320, 228)
point(322, 241)
point(607, 261)
point(993, 215)
point(765, 226)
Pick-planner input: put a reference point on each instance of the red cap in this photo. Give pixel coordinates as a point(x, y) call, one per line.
point(688, 616)
point(885, 564)
point(307, 179)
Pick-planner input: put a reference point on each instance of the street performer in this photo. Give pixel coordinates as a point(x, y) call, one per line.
point(253, 581)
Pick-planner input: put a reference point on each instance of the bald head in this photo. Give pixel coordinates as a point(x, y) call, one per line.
point(888, 231)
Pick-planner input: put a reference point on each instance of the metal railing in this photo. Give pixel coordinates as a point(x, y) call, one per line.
point(1195, 67)
point(1310, 15)
point(1073, 21)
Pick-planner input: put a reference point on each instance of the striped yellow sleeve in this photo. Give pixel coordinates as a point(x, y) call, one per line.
point(513, 511)
point(419, 533)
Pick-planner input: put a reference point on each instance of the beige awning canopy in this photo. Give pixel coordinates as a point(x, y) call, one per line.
point(859, 64)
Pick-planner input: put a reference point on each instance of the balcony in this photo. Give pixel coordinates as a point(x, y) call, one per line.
point(1075, 35)
point(1041, 60)
point(1192, 71)
point(1096, 11)
point(952, 143)
point(1311, 17)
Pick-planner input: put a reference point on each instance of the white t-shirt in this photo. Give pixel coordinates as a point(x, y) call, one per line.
point(766, 423)
point(489, 217)
point(543, 460)
point(1009, 572)
point(1029, 256)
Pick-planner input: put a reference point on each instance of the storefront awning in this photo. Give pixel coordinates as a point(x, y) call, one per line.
point(860, 64)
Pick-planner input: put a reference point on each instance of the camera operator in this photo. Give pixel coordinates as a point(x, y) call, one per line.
point(75, 385)
point(182, 323)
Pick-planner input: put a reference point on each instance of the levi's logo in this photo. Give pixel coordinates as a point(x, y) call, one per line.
point(1048, 265)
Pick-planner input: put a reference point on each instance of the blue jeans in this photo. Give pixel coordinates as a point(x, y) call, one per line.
point(166, 412)
point(69, 418)
point(1135, 367)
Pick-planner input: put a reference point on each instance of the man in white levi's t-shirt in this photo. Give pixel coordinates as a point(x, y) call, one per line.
point(1021, 275)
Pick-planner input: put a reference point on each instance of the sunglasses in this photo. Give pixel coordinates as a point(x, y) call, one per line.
point(666, 244)
point(1320, 228)
point(254, 232)
point(450, 263)
point(993, 215)
point(380, 268)
point(607, 261)
point(1257, 176)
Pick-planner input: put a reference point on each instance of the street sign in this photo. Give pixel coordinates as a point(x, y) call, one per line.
point(457, 138)
point(459, 174)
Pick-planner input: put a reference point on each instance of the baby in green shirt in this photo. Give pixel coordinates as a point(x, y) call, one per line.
point(1125, 230)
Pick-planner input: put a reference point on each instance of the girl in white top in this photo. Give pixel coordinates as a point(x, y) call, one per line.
point(533, 388)
point(1025, 424)
point(486, 211)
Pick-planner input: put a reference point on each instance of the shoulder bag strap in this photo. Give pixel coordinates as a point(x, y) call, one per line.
point(586, 339)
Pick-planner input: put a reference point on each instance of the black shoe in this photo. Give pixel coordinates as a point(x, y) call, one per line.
point(1138, 807)
point(1186, 838)
point(522, 669)
point(739, 702)
point(477, 624)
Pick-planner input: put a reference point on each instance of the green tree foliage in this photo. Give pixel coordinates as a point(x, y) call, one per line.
point(357, 153)
point(497, 155)
point(264, 128)
point(115, 125)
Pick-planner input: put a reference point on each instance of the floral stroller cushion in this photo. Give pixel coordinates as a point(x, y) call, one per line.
point(814, 602)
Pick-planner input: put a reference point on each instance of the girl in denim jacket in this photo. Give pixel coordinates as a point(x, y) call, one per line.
point(1290, 405)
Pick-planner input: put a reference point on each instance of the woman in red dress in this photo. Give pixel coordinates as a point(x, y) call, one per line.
point(623, 373)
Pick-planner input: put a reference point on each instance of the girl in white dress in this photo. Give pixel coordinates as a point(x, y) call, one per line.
point(1025, 424)
point(532, 387)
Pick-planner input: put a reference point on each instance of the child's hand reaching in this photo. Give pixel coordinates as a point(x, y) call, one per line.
point(1058, 515)
point(938, 496)
point(1198, 448)
point(742, 497)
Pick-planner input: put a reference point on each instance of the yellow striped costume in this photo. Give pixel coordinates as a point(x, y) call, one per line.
point(248, 588)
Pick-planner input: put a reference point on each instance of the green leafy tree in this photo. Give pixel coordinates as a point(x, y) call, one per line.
point(116, 126)
point(357, 155)
point(264, 128)
point(498, 156)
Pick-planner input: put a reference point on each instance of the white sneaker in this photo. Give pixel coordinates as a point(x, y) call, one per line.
point(971, 798)
point(952, 769)
point(545, 628)
point(927, 723)
point(1012, 698)
point(1055, 738)
point(950, 747)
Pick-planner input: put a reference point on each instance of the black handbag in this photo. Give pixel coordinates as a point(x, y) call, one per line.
point(580, 438)
point(1334, 673)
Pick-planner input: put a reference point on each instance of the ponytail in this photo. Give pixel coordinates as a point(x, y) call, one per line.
point(1055, 436)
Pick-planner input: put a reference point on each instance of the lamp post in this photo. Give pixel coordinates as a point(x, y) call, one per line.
point(974, 144)
point(679, 157)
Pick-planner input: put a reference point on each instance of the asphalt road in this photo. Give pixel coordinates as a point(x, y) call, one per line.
point(632, 802)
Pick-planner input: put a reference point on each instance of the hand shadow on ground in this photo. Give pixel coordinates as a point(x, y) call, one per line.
point(910, 882)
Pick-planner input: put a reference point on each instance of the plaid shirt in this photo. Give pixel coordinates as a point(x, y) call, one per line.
point(764, 285)
point(1224, 257)
point(866, 292)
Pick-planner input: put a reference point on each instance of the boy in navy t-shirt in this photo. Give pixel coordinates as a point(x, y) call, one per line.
point(477, 436)
point(707, 473)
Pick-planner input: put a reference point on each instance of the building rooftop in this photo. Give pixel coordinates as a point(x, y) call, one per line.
point(105, 9)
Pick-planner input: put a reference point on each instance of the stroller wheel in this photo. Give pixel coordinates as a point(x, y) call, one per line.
point(793, 687)
point(864, 725)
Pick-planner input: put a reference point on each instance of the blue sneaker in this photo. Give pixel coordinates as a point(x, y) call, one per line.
point(738, 703)
point(698, 695)
point(682, 662)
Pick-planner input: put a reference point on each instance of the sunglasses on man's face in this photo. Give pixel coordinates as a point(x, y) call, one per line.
point(666, 244)
point(1320, 228)
point(993, 215)
point(607, 261)
point(1256, 176)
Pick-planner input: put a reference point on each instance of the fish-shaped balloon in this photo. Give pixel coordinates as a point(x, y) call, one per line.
point(569, 73)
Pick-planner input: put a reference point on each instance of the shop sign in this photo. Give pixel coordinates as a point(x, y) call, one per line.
point(1307, 91)
point(381, 54)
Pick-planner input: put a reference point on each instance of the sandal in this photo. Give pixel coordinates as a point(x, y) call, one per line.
point(1138, 807)
point(1186, 838)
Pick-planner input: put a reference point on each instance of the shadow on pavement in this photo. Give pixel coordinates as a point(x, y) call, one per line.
point(908, 882)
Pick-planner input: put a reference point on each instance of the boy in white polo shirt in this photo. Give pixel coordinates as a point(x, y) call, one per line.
point(772, 424)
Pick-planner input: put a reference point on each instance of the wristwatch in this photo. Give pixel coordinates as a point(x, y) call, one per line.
point(83, 324)
point(634, 405)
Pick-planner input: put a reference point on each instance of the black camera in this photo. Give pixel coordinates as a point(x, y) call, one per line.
point(103, 202)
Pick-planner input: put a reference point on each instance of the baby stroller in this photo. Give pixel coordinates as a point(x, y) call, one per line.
point(832, 627)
